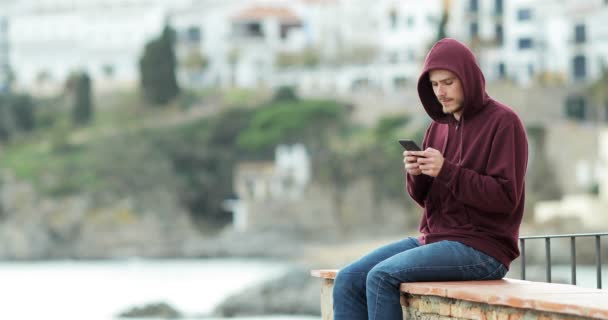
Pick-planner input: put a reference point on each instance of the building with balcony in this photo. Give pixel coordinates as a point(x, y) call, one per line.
point(559, 41)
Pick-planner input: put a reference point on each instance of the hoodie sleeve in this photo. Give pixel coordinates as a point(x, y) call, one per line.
point(418, 186)
point(500, 189)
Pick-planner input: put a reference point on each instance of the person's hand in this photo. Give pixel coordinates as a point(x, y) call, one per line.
point(411, 163)
point(430, 162)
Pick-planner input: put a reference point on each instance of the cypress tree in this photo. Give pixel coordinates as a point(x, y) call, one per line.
point(82, 112)
point(157, 69)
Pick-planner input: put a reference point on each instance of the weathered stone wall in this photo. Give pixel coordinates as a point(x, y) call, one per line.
point(421, 307)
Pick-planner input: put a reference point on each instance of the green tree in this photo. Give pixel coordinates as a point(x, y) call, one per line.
point(285, 93)
point(16, 114)
point(442, 24)
point(82, 111)
point(23, 111)
point(292, 121)
point(6, 120)
point(157, 69)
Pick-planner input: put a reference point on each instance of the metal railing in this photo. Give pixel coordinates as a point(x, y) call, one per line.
point(598, 254)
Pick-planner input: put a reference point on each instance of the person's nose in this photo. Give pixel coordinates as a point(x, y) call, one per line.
point(440, 90)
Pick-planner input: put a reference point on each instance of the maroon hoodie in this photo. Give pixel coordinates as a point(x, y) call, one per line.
point(478, 196)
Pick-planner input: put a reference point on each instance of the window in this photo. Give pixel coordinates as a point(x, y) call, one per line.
point(410, 22)
point(579, 33)
point(579, 64)
point(525, 43)
point(499, 33)
point(502, 70)
point(287, 27)
point(108, 70)
point(254, 28)
point(399, 81)
point(474, 30)
point(524, 14)
point(576, 108)
point(498, 7)
point(394, 57)
point(411, 55)
point(248, 30)
point(473, 6)
point(393, 19)
point(193, 34)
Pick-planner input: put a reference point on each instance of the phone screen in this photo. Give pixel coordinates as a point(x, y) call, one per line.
point(409, 145)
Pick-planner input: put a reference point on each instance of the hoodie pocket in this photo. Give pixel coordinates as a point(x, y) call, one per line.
point(453, 215)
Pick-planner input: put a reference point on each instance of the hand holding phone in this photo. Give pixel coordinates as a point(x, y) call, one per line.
point(410, 161)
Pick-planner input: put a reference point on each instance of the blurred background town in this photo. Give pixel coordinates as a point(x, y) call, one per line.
point(149, 148)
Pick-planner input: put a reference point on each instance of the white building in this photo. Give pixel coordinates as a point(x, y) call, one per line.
point(377, 45)
point(524, 40)
point(285, 179)
point(4, 54)
point(6, 8)
point(50, 39)
point(342, 45)
point(239, 40)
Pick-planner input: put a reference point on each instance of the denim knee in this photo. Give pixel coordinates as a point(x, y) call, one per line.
point(380, 275)
point(348, 284)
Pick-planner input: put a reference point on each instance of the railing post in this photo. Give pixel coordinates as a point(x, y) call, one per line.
point(598, 254)
point(548, 257)
point(573, 259)
point(523, 258)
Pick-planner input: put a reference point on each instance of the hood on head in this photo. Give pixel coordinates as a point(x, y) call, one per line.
point(454, 56)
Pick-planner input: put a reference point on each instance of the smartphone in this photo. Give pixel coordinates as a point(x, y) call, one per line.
point(409, 145)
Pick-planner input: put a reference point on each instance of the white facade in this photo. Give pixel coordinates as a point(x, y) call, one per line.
point(378, 44)
point(6, 7)
point(541, 40)
point(46, 46)
point(49, 39)
point(4, 54)
point(241, 41)
point(264, 182)
point(524, 40)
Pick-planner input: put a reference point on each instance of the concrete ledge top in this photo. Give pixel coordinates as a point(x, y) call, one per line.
point(550, 297)
point(324, 273)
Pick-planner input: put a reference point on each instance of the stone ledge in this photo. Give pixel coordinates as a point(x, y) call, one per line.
point(534, 298)
point(324, 273)
point(540, 296)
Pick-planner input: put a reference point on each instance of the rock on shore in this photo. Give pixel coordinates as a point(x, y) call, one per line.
point(294, 293)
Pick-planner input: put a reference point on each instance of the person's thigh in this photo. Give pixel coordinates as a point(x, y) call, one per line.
point(440, 261)
point(353, 276)
point(370, 260)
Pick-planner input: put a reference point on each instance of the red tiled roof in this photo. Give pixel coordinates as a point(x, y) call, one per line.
point(320, 1)
point(259, 13)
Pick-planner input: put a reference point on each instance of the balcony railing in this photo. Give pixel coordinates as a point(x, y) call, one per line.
point(573, 237)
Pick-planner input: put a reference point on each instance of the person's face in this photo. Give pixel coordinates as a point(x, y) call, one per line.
point(448, 90)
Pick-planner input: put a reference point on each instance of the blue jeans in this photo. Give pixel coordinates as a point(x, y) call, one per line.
point(369, 287)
